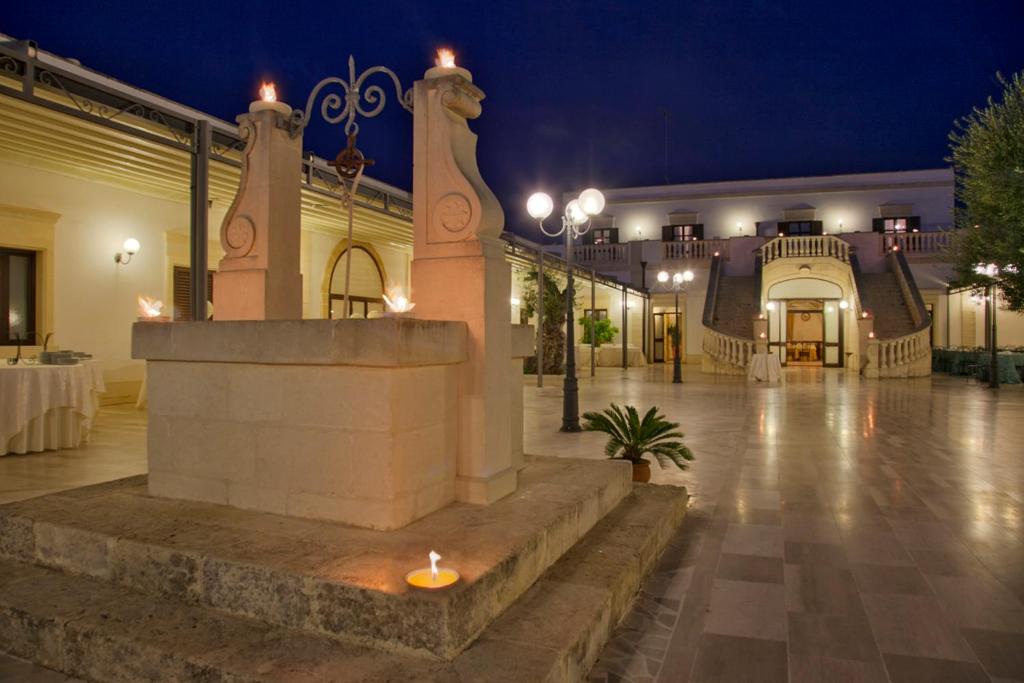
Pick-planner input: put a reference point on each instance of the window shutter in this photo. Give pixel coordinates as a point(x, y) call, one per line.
point(816, 227)
point(589, 237)
point(183, 291)
point(878, 224)
point(613, 236)
point(667, 234)
point(913, 223)
point(698, 231)
point(182, 294)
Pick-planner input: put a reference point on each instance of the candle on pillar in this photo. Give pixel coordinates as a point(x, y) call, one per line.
point(444, 65)
point(268, 101)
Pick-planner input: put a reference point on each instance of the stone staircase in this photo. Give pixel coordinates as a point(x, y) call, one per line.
point(107, 583)
point(881, 294)
point(736, 306)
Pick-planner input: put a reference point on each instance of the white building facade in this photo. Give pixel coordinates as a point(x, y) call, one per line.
point(842, 271)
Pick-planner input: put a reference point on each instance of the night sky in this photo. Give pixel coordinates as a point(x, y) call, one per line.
point(577, 91)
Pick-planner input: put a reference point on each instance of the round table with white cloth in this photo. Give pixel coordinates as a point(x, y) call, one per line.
point(45, 407)
point(764, 367)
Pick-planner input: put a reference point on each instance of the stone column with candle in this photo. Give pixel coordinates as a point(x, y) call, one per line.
point(459, 272)
point(258, 278)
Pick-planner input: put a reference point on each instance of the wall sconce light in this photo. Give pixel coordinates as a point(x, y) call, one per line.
point(739, 226)
point(844, 304)
point(840, 225)
point(131, 247)
point(514, 301)
point(770, 305)
point(639, 233)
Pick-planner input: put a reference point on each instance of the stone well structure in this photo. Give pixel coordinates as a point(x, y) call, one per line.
point(370, 422)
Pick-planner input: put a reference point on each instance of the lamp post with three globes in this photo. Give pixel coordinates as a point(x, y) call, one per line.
point(577, 219)
point(679, 282)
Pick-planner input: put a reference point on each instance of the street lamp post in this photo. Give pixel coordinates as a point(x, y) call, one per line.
point(679, 282)
point(576, 221)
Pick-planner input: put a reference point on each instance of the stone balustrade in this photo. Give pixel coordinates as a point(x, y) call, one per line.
point(602, 253)
point(906, 356)
point(725, 354)
point(912, 243)
point(701, 250)
point(804, 247)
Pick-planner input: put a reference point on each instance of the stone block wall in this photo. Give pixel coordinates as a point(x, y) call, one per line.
point(351, 421)
point(373, 447)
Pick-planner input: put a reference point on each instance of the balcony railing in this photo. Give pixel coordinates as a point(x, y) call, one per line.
point(913, 243)
point(804, 247)
point(598, 254)
point(695, 249)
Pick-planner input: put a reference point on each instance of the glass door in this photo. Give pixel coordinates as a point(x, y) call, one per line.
point(777, 329)
point(659, 337)
point(833, 335)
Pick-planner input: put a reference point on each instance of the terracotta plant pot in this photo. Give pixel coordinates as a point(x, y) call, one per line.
point(642, 471)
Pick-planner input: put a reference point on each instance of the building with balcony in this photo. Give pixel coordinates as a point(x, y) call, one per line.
point(835, 271)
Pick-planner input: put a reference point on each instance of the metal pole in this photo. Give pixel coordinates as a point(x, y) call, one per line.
point(677, 363)
point(199, 224)
point(570, 398)
point(993, 367)
point(540, 317)
point(593, 321)
point(643, 328)
point(625, 327)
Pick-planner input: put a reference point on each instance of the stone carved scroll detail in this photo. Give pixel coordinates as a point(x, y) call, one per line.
point(240, 235)
point(462, 207)
point(238, 232)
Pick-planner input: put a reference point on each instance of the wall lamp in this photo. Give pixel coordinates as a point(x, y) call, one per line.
point(131, 247)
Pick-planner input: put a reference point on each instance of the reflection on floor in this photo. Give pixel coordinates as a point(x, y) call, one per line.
point(116, 449)
point(840, 529)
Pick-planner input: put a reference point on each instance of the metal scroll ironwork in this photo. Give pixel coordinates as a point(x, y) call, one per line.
point(105, 111)
point(356, 99)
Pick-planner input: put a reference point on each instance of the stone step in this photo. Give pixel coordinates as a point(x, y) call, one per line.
point(101, 631)
point(736, 306)
point(884, 298)
point(322, 577)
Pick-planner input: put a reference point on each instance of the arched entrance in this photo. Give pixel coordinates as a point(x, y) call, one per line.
point(805, 322)
point(366, 285)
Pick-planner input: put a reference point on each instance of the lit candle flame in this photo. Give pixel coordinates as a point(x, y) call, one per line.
point(149, 308)
point(397, 301)
point(446, 57)
point(268, 93)
point(434, 557)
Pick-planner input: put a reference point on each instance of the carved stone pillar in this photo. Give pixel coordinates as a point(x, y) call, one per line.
point(459, 272)
point(258, 278)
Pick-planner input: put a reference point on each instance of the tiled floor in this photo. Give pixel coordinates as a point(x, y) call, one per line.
point(840, 531)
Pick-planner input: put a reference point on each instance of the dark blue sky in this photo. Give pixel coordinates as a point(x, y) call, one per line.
point(576, 90)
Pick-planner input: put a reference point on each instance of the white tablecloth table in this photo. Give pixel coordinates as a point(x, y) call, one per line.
point(610, 356)
point(45, 407)
point(764, 367)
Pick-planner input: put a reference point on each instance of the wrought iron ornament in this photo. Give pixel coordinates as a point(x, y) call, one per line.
point(354, 100)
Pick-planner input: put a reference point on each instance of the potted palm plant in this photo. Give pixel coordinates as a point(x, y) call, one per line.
point(631, 438)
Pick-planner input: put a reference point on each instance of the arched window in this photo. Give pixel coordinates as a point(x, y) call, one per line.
point(366, 286)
